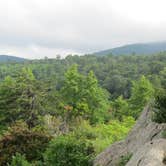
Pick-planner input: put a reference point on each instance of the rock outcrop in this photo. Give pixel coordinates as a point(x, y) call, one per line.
point(152, 153)
point(143, 133)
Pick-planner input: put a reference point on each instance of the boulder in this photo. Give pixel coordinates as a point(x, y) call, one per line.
point(143, 132)
point(152, 153)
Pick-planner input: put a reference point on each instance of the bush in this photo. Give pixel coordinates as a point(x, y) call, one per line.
point(19, 160)
point(103, 135)
point(24, 141)
point(160, 107)
point(66, 150)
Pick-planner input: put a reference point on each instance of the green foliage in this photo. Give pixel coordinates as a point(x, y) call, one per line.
point(160, 106)
point(66, 150)
point(20, 98)
point(24, 141)
point(142, 92)
point(163, 77)
point(7, 95)
point(102, 135)
point(83, 96)
point(114, 73)
point(48, 93)
point(124, 159)
point(117, 85)
point(19, 160)
point(120, 108)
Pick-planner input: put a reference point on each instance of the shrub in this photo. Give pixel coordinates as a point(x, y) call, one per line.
point(102, 135)
point(19, 160)
point(67, 150)
point(24, 141)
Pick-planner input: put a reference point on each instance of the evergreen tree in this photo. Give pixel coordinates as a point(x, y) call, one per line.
point(142, 92)
point(160, 106)
point(120, 108)
point(83, 96)
point(21, 98)
point(96, 98)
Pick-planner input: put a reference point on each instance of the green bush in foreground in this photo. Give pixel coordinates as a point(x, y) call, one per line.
point(103, 135)
point(19, 139)
point(66, 150)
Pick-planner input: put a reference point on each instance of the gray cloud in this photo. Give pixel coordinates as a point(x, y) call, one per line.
point(38, 28)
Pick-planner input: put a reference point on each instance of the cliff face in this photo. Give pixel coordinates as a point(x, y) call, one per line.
point(144, 133)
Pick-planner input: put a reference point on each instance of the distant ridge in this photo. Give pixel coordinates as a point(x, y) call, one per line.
point(139, 48)
point(7, 58)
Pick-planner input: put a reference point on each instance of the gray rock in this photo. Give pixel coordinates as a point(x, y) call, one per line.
point(152, 153)
point(143, 132)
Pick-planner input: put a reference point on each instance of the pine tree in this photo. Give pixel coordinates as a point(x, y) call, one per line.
point(142, 92)
point(83, 96)
point(20, 99)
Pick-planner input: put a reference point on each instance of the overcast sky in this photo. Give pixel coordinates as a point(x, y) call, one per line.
point(38, 28)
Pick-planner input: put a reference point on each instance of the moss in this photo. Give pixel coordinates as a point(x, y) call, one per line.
point(124, 159)
point(164, 134)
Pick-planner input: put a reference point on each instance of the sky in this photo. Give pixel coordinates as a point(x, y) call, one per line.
point(37, 28)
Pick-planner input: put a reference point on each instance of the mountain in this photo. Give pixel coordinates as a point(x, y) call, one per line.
point(140, 48)
point(7, 58)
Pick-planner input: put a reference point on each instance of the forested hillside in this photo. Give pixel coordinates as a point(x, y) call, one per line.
point(114, 73)
point(7, 58)
point(63, 112)
point(138, 48)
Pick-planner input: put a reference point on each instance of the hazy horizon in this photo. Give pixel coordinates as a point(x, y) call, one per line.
point(34, 29)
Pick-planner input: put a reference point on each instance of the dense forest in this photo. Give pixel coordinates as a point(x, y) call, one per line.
point(63, 112)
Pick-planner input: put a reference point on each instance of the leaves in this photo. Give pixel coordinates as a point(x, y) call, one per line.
point(21, 98)
point(84, 95)
point(67, 150)
point(142, 92)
